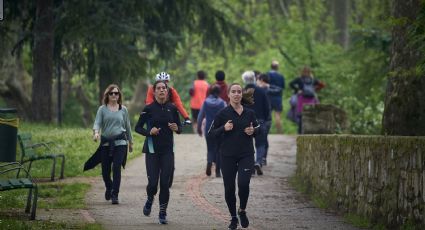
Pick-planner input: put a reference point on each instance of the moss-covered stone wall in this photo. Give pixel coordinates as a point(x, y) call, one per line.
point(380, 178)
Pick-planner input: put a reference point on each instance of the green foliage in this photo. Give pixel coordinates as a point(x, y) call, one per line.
point(355, 78)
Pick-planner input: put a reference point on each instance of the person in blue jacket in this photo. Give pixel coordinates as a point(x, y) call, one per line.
point(161, 120)
point(212, 104)
point(277, 85)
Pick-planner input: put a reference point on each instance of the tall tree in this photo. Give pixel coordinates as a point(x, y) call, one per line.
point(341, 22)
point(404, 112)
point(43, 62)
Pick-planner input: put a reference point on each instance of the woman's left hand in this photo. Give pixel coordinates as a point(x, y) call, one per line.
point(130, 147)
point(249, 130)
point(173, 126)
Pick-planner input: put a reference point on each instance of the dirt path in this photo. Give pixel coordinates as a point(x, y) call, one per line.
point(197, 201)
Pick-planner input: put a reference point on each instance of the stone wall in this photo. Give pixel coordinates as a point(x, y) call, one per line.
point(379, 178)
point(324, 119)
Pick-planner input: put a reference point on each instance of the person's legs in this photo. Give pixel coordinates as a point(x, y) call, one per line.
point(167, 166)
point(229, 169)
point(278, 121)
point(260, 146)
point(276, 106)
point(210, 153)
point(117, 159)
point(106, 170)
point(300, 124)
point(195, 113)
point(244, 178)
point(152, 171)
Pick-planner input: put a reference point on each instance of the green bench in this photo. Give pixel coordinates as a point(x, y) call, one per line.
point(29, 154)
point(10, 183)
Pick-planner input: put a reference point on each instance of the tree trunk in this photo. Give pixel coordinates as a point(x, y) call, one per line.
point(106, 71)
point(43, 62)
point(341, 22)
point(404, 112)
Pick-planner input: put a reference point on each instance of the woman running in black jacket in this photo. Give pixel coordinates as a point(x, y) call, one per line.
point(235, 127)
point(161, 120)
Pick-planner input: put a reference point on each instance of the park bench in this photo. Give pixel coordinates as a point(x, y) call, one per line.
point(29, 153)
point(8, 182)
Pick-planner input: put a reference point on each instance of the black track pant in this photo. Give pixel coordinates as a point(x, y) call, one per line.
point(230, 166)
point(114, 161)
point(159, 167)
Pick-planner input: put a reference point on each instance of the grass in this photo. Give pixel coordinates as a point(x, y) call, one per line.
point(75, 143)
point(50, 196)
point(77, 146)
point(42, 225)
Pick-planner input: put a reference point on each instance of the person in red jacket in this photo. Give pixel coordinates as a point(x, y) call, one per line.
point(174, 96)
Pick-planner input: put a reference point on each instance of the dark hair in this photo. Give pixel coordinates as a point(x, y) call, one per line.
point(247, 95)
point(264, 77)
point(166, 86)
point(214, 90)
point(257, 74)
point(108, 90)
point(220, 75)
point(201, 75)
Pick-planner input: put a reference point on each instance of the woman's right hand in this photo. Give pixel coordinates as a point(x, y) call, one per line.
point(228, 126)
point(154, 131)
point(96, 136)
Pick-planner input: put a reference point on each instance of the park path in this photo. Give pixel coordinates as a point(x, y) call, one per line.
point(197, 201)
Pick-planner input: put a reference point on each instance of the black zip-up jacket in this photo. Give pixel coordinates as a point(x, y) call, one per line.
point(236, 142)
point(261, 104)
point(158, 115)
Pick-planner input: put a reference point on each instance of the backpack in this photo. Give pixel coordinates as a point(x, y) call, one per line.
point(308, 89)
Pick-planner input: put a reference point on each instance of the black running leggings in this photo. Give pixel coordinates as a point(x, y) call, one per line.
point(159, 167)
point(243, 167)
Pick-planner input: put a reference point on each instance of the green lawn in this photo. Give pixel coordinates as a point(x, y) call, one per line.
point(77, 146)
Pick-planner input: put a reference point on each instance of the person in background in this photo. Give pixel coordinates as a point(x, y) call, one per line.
point(198, 93)
point(263, 82)
point(161, 120)
point(261, 108)
point(235, 127)
point(209, 109)
point(173, 94)
point(306, 87)
point(220, 77)
point(277, 85)
point(112, 127)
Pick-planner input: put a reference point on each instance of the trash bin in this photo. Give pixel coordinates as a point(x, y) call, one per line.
point(8, 134)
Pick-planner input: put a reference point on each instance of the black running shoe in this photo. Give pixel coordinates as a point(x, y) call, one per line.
point(162, 218)
point(233, 223)
point(108, 194)
point(208, 171)
point(115, 199)
point(258, 169)
point(244, 219)
point(147, 208)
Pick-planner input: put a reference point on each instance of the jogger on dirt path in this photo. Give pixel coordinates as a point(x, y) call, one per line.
point(113, 123)
point(161, 119)
point(235, 127)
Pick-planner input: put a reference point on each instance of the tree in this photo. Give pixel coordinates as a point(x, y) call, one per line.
point(341, 22)
point(404, 112)
point(43, 62)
